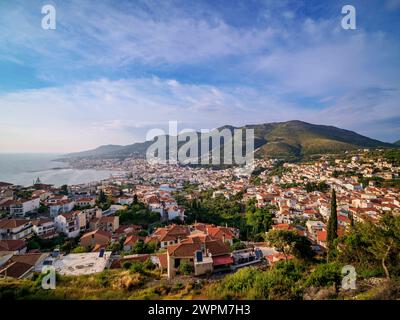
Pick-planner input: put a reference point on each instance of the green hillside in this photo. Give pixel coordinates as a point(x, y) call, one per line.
point(291, 140)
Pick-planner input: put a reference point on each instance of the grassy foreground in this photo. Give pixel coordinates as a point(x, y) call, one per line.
point(285, 281)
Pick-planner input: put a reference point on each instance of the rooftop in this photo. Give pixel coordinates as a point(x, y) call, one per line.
point(81, 263)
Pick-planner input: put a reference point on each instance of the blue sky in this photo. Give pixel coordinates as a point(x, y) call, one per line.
point(111, 71)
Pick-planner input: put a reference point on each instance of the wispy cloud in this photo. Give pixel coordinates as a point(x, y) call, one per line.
point(111, 71)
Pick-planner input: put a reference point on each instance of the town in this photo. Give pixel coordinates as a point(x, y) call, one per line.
point(183, 221)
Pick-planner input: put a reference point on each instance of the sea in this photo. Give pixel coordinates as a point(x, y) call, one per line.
point(24, 168)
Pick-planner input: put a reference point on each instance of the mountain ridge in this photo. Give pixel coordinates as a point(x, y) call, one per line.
point(288, 140)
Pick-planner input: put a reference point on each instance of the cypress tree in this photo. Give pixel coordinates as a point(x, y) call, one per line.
point(102, 197)
point(332, 223)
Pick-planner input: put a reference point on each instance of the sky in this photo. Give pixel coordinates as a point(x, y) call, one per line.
point(113, 70)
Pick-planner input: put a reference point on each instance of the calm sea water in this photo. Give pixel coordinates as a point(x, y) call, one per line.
point(23, 169)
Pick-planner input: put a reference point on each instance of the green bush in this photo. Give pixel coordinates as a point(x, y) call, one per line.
point(137, 267)
point(79, 249)
point(149, 265)
point(186, 268)
point(103, 278)
point(325, 275)
point(127, 265)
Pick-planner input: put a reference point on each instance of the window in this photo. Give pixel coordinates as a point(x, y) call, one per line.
point(177, 263)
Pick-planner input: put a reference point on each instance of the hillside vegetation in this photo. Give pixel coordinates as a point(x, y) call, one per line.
point(373, 250)
point(291, 140)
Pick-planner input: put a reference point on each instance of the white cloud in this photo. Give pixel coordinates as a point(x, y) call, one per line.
point(98, 112)
point(103, 35)
point(121, 112)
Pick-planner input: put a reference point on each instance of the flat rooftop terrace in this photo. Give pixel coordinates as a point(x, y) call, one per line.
point(76, 264)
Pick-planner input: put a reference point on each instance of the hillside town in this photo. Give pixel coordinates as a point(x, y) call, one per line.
point(142, 215)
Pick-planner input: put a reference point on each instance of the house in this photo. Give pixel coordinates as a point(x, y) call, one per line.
point(313, 227)
point(69, 223)
point(15, 229)
point(85, 202)
point(171, 234)
point(59, 204)
point(95, 238)
point(276, 257)
point(128, 229)
point(125, 200)
point(174, 212)
point(6, 203)
point(5, 256)
point(221, 233)
point(20, 208)
point(162, 261)
point(130, 241)
point(22, 265)
point(41, 194)
point(109, 223)
point(5, 185)
point(44, 228)
point(321, 237)
point(15, 246)
point(203, 256)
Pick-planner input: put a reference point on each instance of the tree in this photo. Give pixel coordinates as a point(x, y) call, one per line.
point(43, 208)
point(313, 186)
point(64, 189)
point(102, 197)
point(259, 219)
point(289, 242)
point(374, 248)
point(114, 247)
point(386, 236)
point(332, 225)
point(140, 247)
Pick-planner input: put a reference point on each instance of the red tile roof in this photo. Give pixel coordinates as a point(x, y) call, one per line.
point(12, 223)
point(12, 245)
point(222, 260)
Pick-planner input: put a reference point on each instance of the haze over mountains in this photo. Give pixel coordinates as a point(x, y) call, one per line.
point(291, 140)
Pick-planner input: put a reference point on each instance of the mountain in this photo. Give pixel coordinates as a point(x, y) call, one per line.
point(296, 139)
point(291, 140)
point(110, 148)
point(397, 143)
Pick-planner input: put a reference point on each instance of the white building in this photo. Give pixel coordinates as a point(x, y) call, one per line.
point(70, 224)
point(21, 207)
point(15, 229)
point(59, 207)
point(43, 228)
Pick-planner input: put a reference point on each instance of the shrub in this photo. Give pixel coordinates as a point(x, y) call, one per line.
point(325, 275)
point(137, 267)
point(235, 285)
point(186, 268)
point(79, 249)
point(149, 265)
point(103, 278)
point(127, 265)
